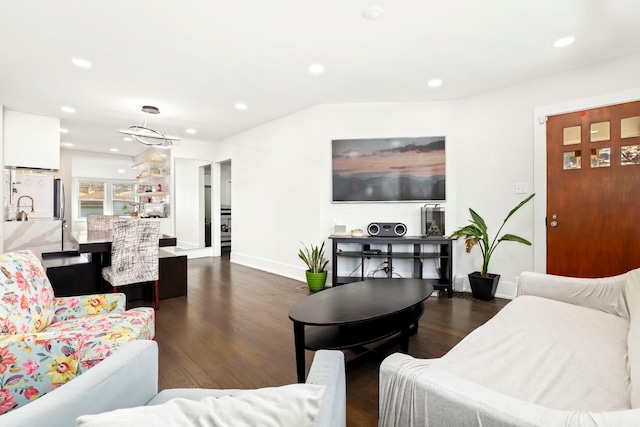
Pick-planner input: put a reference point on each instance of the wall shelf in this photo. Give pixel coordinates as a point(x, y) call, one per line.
point(155, 170)
point(152, 194)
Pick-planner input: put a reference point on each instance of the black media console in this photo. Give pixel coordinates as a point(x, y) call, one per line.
point(381, 248)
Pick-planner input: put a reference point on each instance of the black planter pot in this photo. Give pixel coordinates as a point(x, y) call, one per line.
point(483, 288)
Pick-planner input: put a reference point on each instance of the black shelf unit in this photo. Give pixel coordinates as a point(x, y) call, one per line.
point(444, 254)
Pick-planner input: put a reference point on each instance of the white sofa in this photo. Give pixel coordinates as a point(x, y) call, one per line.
point(564, 352)
point(129, 378)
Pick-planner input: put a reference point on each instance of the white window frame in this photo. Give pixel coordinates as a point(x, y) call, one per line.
point(108, 195)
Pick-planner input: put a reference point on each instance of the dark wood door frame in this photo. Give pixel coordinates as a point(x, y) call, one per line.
point(540, 161)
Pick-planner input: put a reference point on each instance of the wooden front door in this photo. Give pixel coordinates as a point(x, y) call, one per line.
point(593, 191)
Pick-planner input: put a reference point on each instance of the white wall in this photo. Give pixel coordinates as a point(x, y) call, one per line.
point(189, 206)
point(282, 178)
point(277, 186)
point(282, 169)
point(225, 178)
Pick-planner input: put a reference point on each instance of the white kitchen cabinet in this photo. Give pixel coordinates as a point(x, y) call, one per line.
point(31, 141)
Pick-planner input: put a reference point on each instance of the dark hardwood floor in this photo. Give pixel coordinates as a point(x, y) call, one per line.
point(233, 331)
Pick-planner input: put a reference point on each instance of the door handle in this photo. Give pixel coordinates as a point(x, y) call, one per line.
point(553, 222)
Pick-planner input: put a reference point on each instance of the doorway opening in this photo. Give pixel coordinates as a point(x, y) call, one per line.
point(225, 208)
point(192, 206)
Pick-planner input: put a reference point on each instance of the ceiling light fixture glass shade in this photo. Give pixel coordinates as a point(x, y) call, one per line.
point(148, 136)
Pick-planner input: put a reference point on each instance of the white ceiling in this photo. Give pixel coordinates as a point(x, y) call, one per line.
point(194, 59)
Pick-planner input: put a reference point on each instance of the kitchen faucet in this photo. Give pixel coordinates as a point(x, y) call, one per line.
point(28, 197)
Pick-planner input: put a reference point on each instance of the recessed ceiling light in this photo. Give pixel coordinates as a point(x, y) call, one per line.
point(82, 63)
point(126, 138)
point(434, 83)
point(373, 13)
point(316, 68)
point(67, 144)
point(113, 149)
point(191, 131)
point(63, 130)
point(565, 41)
point(241, 106)
point(120, 170)
point(68, 109)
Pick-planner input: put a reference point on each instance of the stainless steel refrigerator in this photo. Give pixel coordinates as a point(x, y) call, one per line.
point(58, 199)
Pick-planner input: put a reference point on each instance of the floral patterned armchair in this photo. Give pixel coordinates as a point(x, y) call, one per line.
point(47, 341)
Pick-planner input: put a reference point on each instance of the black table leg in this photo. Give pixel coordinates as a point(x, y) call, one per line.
point(96, 258)
point(404, 338)
point(298, 335)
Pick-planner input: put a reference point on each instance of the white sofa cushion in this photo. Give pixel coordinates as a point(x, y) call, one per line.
point(549, 353)
point(295, 405)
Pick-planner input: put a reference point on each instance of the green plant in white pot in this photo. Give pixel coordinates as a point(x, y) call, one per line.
point(483, 283)
point(316, 266)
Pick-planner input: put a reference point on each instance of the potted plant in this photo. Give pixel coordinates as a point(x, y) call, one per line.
point(483, 283)
point(316, 266)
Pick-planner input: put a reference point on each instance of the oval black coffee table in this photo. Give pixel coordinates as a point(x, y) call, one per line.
point(356, 314)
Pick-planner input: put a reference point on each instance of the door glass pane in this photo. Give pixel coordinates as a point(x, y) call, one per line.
point(600, 131)
point(630, 155)
point(600, 157)
point(572, 160)
point(571, 135)
point(630, 127)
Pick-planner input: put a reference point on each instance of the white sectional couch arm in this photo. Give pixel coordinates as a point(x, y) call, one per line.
point(127, 378)
point(328, 369)
point(604, 294)
point(416, 392)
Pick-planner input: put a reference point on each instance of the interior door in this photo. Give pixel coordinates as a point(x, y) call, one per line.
point(593, 191)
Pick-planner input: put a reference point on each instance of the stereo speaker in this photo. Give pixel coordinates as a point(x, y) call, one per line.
point(387, 229)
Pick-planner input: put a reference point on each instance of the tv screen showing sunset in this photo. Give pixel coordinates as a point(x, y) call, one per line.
point(389, 169)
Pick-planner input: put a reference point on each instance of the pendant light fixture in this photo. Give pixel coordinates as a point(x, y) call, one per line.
point(144, 134)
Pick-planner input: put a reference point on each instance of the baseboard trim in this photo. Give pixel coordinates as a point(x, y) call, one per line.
point(281, 269)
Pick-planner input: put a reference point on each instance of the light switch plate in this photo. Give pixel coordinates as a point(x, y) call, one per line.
point(521, 188)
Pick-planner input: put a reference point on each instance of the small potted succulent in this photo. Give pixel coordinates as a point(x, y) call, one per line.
point(483, 283)
point(316, 266)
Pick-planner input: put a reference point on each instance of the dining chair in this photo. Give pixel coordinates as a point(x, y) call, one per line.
point(101, 222)
point(134, 255)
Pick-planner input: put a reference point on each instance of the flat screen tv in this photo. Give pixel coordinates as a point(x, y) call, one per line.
point(389, 169)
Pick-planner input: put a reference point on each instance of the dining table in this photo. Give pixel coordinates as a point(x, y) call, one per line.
point(90, 242)
point(98, 244)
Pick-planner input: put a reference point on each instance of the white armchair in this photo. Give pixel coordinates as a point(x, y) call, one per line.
point(129, 378)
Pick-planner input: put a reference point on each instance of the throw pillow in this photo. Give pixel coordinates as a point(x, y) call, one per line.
point(26, 295)
point(295, 405)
